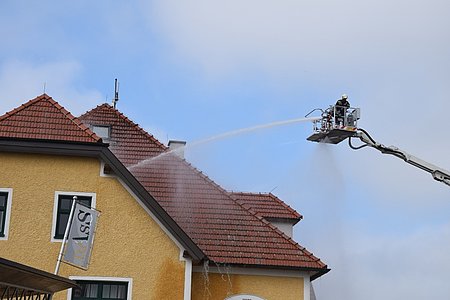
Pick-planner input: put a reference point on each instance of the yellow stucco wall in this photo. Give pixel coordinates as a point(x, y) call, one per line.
point(220, 286)
point(128, 243)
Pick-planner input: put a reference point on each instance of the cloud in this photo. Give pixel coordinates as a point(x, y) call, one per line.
point(21, 81)
point(388, 267)
point(295, 36)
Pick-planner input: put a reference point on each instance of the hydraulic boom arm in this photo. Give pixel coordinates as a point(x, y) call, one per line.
point(438, 174)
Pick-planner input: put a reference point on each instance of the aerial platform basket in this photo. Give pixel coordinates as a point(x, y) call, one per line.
point(335, 124)
point(333, 136)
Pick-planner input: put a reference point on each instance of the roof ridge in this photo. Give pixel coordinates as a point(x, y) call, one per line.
point(89, 111)
point(126, 119)
point(59, 107)
point(22, 106)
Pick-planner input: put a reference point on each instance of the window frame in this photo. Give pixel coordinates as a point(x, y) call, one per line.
point(108, 127)
point(103, 280)
point(55, 209)
point(9, 191)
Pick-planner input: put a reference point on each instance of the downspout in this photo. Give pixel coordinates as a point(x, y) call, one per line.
point(306, 287)
point(187, 278)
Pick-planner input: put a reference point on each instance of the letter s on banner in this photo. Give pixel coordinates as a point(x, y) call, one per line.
point(81, 236)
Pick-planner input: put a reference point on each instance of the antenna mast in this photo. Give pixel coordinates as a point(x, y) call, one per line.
point(116, 93)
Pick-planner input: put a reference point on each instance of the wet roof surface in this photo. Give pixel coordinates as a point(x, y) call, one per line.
point(225, 230)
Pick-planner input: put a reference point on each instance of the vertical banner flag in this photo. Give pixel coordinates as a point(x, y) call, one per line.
point(81, 236)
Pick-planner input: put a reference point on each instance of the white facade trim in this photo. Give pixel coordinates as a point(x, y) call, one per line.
point(8, 212)
point(253, 271)
point(187, 278)
point(307, 288)
point(102, 170)
point(99, 278)
point(55, 208)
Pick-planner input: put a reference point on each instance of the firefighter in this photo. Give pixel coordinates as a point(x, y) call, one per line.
point(341, 110)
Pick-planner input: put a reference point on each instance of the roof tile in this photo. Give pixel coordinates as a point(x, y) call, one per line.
point(43, 118)
point(267, 205)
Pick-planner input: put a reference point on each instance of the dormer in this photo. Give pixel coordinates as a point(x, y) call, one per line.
point(271, 208)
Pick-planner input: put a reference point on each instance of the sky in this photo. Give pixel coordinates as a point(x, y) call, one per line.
point(192, 70)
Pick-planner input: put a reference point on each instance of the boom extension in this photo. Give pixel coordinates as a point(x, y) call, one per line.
point(338, 123)
point(438, 174)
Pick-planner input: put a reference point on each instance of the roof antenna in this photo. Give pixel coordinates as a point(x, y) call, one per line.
point(116, 93)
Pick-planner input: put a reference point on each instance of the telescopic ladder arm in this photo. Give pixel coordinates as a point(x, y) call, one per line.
point(438, 173)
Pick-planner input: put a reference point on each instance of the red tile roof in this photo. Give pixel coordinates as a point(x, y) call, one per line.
point(267, 205)
point(223, 228)
point(42, 118)
point(129, 142)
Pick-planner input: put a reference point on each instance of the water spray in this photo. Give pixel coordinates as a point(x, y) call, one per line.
point(222, 136)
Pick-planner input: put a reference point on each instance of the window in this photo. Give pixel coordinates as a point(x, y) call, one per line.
point(102, 131)
point(63, 204)
point(101, 289)
point(5, 211)
point(3, 204)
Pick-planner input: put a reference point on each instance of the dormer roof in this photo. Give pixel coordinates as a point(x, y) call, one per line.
point(267, 205)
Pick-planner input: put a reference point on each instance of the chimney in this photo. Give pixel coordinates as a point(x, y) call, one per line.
point(177, 147)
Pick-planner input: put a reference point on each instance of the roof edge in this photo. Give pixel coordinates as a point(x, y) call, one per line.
point(316, 272)
point(293, 221)
point(282, 234)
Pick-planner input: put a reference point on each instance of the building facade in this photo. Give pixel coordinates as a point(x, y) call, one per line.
point(165, 230)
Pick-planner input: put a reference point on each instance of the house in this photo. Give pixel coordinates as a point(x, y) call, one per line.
point(166, 230)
